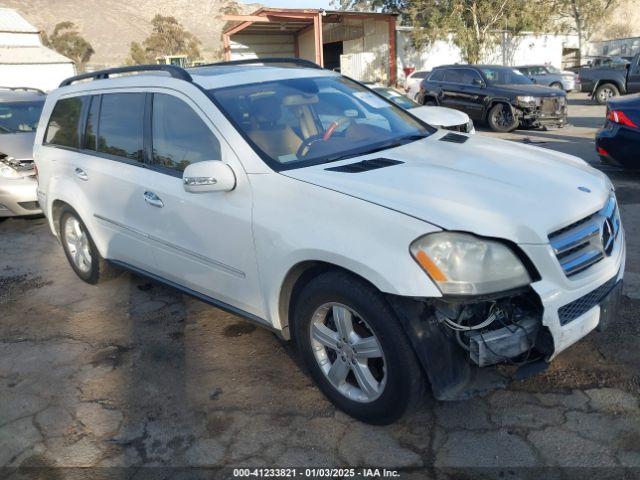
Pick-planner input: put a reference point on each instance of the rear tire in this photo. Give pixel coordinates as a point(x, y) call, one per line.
point(557, 85)
point(501, 118)
point(81, 251)
point(355, 350)
point(606, 91)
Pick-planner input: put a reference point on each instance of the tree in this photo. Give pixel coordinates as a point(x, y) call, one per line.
point(67, 41)
point(584, 17)
point(167, 38)
point(474, 25)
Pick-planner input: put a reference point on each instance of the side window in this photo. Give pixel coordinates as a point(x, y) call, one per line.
point(453, 76)
point(180, 137)
point(92, 119)
point(120, 129)
point(437, 76)
point(419, 75)
point(63, 124)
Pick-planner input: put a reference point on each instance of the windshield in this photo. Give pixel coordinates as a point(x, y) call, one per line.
point(396, 97)
point(505, 76)
point(19, 117)
point(305, 121)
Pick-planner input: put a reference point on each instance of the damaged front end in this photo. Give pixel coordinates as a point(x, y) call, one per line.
point(541, 111)
point(455, 337)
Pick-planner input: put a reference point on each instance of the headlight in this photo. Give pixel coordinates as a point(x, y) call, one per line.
point(470, 128)
point(8, 172)
point(528, 100)
point(462, 264)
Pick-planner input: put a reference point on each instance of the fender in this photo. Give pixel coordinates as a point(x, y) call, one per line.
point(621, 88)
point(490, 102)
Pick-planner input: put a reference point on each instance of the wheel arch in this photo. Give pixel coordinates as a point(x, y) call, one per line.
point(298, 276)
point(600, 82)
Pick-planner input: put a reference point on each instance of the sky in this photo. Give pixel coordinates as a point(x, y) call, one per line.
point(297, 3)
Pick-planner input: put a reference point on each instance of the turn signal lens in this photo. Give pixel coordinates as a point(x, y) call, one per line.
point(619, 117)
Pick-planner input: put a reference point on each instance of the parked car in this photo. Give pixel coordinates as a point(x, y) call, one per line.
point(19, 113)
point(604, 83)
point(502, 96)
point(386, 249)
point(440, 117)
point(412, 82)
point(550, 76)
point(618, 142)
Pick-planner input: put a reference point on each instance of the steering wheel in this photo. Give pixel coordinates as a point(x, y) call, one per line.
point(303, 150)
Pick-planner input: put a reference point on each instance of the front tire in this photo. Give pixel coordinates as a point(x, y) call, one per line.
point(81, 251)
point(355, 350)
point(501, 118)
point(606, 91)
point(557, 85)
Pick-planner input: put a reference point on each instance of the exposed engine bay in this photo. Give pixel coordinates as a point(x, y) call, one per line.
point(455, 337)
point(20, 166)
point(494, 331)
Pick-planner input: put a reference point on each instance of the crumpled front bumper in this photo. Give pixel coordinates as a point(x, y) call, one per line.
point(18, 197)
point(556, 291)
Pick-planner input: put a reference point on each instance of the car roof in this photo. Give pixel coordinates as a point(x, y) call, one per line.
point(19, 94)
point(206, 77)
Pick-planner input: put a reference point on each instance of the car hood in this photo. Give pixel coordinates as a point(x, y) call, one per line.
point(17, 145)
point(440, 116)
point(536, 90)
point(491, 187)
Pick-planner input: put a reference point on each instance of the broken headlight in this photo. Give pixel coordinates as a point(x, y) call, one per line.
point(7, 171)
point(527, 101)
point(463, 264)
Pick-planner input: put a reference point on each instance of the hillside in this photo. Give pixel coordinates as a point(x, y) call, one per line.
point(111, 25)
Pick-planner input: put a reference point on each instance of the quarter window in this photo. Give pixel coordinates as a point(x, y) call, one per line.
point(180, 137)
point(120, 129)
point(63, 124)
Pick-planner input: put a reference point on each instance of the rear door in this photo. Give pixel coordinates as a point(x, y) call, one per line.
point(113, 164)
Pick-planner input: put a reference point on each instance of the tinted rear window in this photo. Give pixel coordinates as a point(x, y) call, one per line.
point(120, 129)
point(63, 124)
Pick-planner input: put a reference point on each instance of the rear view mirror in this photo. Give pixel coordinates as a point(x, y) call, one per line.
point(209, 176)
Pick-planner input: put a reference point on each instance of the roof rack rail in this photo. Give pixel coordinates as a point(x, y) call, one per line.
point(251, 61)
point(24, 89)
point(172, 70)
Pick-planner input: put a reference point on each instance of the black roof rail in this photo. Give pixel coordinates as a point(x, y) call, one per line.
point(252, 61)
point(172, 70)
point(24, 89)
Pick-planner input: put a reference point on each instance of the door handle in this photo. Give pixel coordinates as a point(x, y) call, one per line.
point(153, 200)
point(81, 174)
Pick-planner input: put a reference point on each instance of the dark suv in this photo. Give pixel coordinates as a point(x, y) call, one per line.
point(502, 96)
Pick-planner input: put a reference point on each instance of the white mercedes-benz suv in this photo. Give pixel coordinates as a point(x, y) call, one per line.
point(393, 254)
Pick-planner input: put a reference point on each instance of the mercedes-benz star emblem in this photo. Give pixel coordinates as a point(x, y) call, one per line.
point(606, 235)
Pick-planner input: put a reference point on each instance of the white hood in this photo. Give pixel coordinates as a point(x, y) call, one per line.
point(490, 187)
point(440, 116)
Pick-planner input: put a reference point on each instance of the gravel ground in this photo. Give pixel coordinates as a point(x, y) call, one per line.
point(135, 374)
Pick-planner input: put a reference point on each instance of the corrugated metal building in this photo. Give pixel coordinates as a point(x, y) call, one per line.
point(24, 61)
point(360, 45)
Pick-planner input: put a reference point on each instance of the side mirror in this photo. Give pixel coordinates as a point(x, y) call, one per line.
point(209, 176)
point(478, 83)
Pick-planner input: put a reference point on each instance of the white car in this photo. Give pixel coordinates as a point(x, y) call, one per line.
point(393, 254)
point(412, 83)
point(441, 117)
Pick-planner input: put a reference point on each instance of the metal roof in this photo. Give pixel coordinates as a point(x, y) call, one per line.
point(12, 22)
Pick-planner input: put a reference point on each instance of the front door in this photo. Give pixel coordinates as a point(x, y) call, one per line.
point(202, 241)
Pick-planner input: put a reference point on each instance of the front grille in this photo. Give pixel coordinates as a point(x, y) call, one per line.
point(587, 241)
point(582, 305)
point(549, 105)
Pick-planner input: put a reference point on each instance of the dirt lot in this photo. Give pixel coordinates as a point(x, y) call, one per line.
point(133, 373)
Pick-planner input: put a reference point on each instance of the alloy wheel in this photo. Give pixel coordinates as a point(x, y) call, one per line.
point(503, 118)
point(348, 352)
point(606, 94)
point(77, 242)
